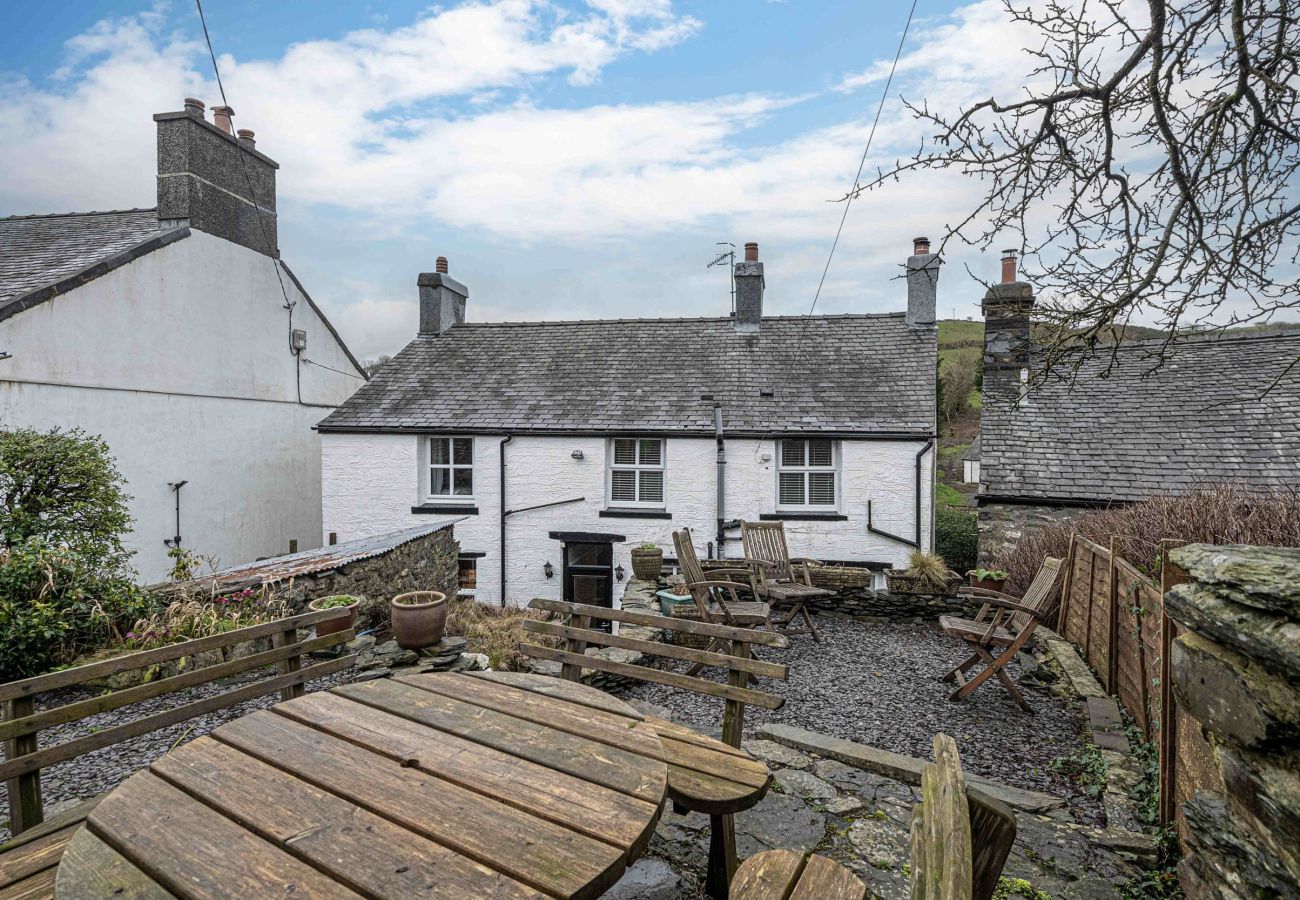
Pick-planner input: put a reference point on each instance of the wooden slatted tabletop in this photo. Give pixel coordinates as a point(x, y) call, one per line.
point(430, 785)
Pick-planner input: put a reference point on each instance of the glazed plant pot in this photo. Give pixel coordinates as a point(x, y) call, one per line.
point(334, 626)
point(647, 563)
point(419, 619)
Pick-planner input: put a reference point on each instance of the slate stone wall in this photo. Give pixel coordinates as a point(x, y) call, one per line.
point(1002, 525)
point(854, 597)
point(1237, 671)
point(428, 563)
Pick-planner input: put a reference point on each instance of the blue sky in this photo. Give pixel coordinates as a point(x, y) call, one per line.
point(571, 159)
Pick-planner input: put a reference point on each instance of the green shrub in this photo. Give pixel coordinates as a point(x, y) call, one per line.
point(956, 537)
point(65, 579)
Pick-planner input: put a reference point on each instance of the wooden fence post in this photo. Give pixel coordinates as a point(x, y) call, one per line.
point(1087, 622)
point(1112, 637)
point(291, 664)
point(1063, 616)
point(25, 807)
point(572, 671)
point(733, 713)
point(1170, 576)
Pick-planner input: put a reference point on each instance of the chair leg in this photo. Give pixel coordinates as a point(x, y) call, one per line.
point(962, 668)
point(722, 857)
point(715, 646)
point(993, 666)
point(812, 629)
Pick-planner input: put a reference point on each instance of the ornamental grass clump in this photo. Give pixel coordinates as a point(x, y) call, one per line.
point(929, 570)
point(494, 631)
point(193, 617)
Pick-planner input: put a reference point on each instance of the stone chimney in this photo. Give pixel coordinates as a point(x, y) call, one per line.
point(212, 181)
point(442, 300)
point(749, 291)
point(922, 282)
point(1007, 308)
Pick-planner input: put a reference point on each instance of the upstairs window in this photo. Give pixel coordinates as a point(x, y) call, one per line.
point(806, 475)
point(451, 468)
point(636, 472)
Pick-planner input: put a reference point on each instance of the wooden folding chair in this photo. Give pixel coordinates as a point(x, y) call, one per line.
point(772, 574)
point(1003, 625)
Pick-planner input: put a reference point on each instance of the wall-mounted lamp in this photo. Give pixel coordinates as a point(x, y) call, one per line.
point(619, 572)
point(548, 569)
point(578, 454)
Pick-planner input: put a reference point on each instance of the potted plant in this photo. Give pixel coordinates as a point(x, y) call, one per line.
point(926, 573)
point(676, 595)
point(337, 601)
point(989, 579)
point(419, 618)
point(647, 561)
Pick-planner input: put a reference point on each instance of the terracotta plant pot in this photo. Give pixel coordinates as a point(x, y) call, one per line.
point(334, 626)
point(988, 584)
point(419, 619)
point(647, 564)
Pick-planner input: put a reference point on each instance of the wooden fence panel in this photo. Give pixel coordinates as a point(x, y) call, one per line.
point(1099, 629)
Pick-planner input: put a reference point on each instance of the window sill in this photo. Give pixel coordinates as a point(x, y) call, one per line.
point(634, 514)
point(447, 509)
point(803, 517)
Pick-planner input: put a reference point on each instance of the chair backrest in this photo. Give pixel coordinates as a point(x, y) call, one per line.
point(960, 837)
point(686, 558)
point(1039, 595)
point(273, 643)
point(765, 542)
point(578, 633)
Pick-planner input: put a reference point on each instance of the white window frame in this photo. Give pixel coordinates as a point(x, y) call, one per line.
point(426, 469)
point(638, 467)
point(833, 468)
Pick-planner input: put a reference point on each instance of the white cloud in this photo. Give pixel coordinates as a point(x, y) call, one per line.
point(437, 121)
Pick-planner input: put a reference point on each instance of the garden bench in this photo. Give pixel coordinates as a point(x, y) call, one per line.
point(772, 575)
point(27, 862)
point(795, 875)
point(960, 837)
point(1004, 632)
point(704, 774)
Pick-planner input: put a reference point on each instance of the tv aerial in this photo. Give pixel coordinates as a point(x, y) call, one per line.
point(727, 256)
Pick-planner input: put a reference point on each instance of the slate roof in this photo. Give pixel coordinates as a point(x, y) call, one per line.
point(844, 374)
point(37, 251)
point(1197, 420)
point(972, 453)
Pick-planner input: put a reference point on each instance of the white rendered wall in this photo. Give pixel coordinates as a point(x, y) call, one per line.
point(180, 361)
point(370, 482)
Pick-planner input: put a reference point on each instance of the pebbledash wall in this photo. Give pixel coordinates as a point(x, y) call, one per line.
point(180, 360)
point(370, 482)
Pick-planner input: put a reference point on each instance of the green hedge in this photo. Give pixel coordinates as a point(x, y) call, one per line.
point(956, 537)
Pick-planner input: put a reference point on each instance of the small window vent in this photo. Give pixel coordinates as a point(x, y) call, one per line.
point(767, 393)
point(706, 396)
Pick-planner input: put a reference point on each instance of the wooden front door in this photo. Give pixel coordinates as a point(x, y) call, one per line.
point(589, 575)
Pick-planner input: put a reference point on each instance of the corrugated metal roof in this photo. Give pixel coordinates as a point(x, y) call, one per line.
point(323, 559)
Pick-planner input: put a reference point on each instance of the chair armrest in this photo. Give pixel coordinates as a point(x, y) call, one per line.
point(743, 573)
point(805, 562)
point(984, 593)
point(1015, 607)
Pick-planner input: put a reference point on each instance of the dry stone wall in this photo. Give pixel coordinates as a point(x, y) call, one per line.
point(1237, 670)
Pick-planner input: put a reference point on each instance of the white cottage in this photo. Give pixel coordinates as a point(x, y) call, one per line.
point(179, 335)
point(566, 444)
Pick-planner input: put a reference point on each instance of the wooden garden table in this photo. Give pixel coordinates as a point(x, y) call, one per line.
point(482, 785)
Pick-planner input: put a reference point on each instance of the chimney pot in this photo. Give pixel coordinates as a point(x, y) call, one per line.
point(246, 137)
point(221, 116)
point(751, 251)
point(440, 265)
point(920, 245)
point(1008, 266)
point(194, 107)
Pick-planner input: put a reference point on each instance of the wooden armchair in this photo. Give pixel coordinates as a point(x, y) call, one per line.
point(704, 775)
point(1002, 626)
point(772, 574)
point(714, 589)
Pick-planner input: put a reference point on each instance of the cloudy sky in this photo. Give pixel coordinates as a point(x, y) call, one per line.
point(571, 159)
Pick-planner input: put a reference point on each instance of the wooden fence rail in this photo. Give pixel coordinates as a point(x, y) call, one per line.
point(1115, 614)
point(20, 729)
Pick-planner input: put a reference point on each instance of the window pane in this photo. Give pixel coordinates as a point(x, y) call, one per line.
point(652, 487)
point(464, 482)
point(791, 489)
point(439, 451)
point(622, 487)
point(819, 453)
point(821, 488)
point(652, 453)
point(440, 482)
point(792, 453)
point(624, 452)
point(464, 451)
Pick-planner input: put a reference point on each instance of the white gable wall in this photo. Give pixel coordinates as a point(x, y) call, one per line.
point(180, 360)
point(370, 483)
